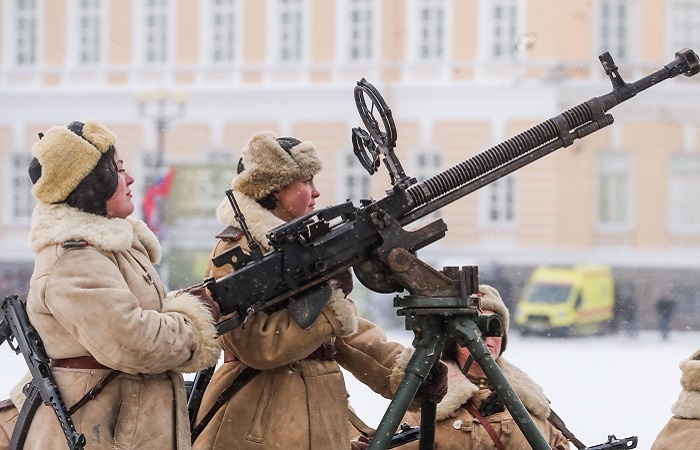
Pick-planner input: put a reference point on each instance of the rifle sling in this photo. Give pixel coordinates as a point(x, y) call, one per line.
point(238, 384)
point(487, 426)
point(360, 425)
point(92, 393)
point(555, 420)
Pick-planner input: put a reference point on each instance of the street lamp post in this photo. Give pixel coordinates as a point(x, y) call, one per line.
point(162, 107)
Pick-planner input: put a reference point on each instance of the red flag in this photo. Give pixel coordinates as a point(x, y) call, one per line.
point(153, 202)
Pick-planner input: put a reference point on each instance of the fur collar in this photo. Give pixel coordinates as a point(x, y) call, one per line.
point(688, 404)
point(260, 220)
point(460, 389)
point(57, 223)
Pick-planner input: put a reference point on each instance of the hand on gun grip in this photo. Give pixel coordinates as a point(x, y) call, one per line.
point(202, 294)
point(345, 282)
point(361, 443)
point(434, 386)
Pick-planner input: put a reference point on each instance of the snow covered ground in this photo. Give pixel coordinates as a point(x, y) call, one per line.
point(598, 385)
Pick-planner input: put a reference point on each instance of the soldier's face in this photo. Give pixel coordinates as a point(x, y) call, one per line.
point(296, 199)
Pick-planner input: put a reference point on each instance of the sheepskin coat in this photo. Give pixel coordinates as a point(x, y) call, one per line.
point(294, 402)
point(9, 412)
point(103, 298)
point(457, 429)
point(683, 429)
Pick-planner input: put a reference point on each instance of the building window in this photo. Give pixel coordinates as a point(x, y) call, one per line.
point(614, 189)
point(426, 163)
point(504, 27)
point(26, 32)
point(291, 26)
point(21, 200)
point(499, 204)
point(222, 27)
point(361, 19)
point(90, 29)
point(614, 32)
point(684, 24)
point(431, 29)
point(685, 192)
point(356, 180)
point(157, 23)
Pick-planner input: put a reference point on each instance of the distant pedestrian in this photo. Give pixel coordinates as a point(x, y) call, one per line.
point(626, 311)
point(665, 307)
point(683, 429)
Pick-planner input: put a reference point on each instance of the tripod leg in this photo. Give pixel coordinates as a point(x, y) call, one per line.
point(468, 335)
point(427, 352)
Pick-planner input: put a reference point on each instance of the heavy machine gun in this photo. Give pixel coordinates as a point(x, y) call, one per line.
point(371, 238)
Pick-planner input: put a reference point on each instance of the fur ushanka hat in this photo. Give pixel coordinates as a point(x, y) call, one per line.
point(268, 164)
point(66, 158)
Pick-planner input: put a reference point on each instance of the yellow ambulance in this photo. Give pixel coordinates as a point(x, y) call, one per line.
point(567, 301)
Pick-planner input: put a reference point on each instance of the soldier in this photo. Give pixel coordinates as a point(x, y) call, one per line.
point(98, 304)
point(683, 429)
point(281, 385)
point(471, 416)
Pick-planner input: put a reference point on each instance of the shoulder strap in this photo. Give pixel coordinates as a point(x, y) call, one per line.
point(487, 426)
point(555, 420)
point(238, 384)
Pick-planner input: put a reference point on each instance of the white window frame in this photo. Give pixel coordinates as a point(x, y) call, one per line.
point(620, 48)
point(140, 45)
point(499, 198)
point(416, 39)
point(683, 24)
point(684, 192)
point(209, 10)
point(75, 13)
point(344, 24)
point(615, 166)
point(18, 189)
point(11, 35)
point(487, 26)
point(352, 171)
point(275, 32)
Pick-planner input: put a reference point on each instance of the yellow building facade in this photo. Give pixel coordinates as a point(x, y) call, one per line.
point(188, 81)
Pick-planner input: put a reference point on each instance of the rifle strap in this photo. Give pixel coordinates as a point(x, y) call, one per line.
point(360, 425)
point(487, 426)
point(238, 384)
point(92, 393)
point(555, 420)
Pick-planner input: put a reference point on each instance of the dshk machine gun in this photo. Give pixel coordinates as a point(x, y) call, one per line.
point(372, 240)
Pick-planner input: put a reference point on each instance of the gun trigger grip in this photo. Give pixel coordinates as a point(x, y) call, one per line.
point(307, 306)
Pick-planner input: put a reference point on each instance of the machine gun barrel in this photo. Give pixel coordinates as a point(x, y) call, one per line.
point(538, 141)
point(315, 248)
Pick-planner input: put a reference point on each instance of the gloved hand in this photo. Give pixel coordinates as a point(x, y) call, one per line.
point(345, 282)
point(434, 387)
point(202, 293)
point(361, 443)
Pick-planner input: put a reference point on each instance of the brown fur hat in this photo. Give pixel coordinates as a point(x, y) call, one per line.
point(67, 158)
point(266, 166)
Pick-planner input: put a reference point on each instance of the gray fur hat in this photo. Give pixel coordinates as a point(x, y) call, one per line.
point(269, 163)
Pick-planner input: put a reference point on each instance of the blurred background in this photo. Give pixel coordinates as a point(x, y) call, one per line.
point(184, 83)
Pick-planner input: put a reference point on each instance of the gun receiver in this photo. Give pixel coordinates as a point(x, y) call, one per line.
point(315, 248)
point(15, 326)
point(614, 443)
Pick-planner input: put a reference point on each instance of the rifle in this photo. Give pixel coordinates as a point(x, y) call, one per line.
point(15, 326)
point(315, 248)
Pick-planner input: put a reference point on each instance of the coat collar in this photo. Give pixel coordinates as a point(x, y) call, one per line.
point(688, 404)
point(259, 220)
point(57, 223)
point(460, 390)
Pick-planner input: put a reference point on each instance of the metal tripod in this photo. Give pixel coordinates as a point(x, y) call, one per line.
point(444, 304)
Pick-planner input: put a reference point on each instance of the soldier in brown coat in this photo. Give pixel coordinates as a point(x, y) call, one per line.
point(98, 303)
point(683, 429)
point(471, 403)
point(298, 399)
